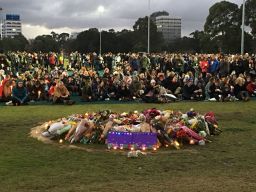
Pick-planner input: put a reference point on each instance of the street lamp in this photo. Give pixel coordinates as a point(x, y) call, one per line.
point(242, 36)
point(148, 26)
point(101, 9)
point(1, 23)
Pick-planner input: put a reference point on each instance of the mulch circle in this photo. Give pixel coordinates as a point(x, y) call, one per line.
point(36, 133)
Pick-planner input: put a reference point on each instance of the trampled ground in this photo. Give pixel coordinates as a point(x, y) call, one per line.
point(226, 164)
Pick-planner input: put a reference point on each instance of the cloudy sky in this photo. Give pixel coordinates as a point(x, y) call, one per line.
point(43, 16)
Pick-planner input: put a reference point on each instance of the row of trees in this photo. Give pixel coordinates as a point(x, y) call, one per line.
point(222, 30)
point(88, 41)
point(222, 33)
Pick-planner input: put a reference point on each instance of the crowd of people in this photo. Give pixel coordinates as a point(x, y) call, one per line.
point(159, 78)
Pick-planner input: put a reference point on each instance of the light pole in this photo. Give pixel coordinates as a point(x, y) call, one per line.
point(100, 10)
point(1, 23)
point(148, 26)
point(242, 36)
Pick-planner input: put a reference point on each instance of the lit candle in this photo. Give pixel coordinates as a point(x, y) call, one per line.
point(11, 89)
point(39, 94)
point(191, 142)
point(176, 144)
point(60, 141)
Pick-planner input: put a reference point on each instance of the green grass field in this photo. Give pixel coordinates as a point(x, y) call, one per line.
point(226, 164)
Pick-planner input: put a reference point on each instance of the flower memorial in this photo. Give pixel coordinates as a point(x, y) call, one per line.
point(147, 130)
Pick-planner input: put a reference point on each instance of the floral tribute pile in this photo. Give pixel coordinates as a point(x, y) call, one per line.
point(147, 130)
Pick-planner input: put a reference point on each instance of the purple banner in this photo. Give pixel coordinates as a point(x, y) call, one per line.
point(137, 139)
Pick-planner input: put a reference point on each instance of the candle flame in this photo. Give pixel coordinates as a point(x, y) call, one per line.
point(191, 142)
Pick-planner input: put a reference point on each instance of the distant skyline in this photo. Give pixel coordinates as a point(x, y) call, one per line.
point(41, 17)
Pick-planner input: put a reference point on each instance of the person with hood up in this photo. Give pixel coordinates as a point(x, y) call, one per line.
point(20, 94)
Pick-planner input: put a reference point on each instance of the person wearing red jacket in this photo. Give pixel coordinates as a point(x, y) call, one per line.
point(52, 60)
point(251, 87)
point(51, 91)
point(204, 65)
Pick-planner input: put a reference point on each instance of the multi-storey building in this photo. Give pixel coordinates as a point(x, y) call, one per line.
point(170, 27)
point(11, 25)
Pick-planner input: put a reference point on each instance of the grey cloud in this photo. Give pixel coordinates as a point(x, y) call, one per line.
point(119, 13)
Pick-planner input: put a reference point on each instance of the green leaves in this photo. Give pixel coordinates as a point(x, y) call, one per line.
point(221, 17)
point(223, 26)
point(250, 15)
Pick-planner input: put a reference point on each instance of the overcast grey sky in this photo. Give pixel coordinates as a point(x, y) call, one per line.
point(43, 16)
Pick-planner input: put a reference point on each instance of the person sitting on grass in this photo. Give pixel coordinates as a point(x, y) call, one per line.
point(251, 87)
point(87, 93)
point(189, 90)
point(216, 92)
point(240, 89)
point(208, 89)
point(20, 94)
point(7, 92)
point(123, 92)
point(50, 92)
point(37, 91)
point(151, 93)
point(61, 94)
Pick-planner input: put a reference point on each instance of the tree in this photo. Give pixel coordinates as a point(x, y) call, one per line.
point(55, 36)
point(16, 43)
point(125, 41)
point(141, 35)
point(157, 14)
point(184, 44)
point(250, 8)
point(223, 27)
point(197, 37)
point(45, 43)
point(222, 16)
point(63, 40)
point(111, 31)
point(87, 41)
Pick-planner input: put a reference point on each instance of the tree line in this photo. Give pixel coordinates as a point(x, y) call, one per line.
point(221, 33)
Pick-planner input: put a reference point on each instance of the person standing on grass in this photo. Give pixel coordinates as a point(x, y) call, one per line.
point(20, 94)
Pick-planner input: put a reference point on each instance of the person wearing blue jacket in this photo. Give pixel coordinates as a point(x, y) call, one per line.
point(213, 66)
point(19, 94)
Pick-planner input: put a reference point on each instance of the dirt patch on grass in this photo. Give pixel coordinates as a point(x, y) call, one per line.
point(228, 116)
